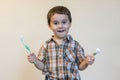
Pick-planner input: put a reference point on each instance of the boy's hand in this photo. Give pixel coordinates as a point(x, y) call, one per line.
point(32, 58)
point(90, 59)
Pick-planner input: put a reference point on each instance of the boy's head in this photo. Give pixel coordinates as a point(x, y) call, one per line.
point(58, 10)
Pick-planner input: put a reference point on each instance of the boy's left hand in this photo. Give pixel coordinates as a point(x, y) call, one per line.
point(90, 59)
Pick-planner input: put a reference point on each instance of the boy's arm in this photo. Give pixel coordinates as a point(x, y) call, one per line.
point(83, 65)
point(33, 59)
point(89, 60)
point(38, 64)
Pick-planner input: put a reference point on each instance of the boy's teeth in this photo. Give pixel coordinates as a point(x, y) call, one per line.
point(61, 31)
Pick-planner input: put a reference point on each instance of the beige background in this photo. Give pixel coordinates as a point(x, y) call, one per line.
point(96, 24)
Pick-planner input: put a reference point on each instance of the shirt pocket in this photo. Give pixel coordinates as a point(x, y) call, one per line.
point(69, 55)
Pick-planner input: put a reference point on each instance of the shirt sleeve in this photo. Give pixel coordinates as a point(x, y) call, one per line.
point(80, 53)
point(43, 58)
point(42, 54)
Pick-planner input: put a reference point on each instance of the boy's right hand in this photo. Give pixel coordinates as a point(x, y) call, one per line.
point(32, 58)
point(90, 59)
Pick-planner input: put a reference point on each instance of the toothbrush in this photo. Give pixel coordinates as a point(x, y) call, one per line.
point(25, 45)
point(98, 51)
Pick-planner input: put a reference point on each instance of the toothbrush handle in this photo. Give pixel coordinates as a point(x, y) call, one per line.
point(94, 54)
point(35, 62)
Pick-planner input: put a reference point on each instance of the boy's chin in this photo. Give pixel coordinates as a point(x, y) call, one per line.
point(62, 36)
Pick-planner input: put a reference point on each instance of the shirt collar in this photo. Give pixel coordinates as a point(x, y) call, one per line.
point(68, 38)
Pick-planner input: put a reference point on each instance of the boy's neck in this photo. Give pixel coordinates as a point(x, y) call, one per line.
point(59, 41)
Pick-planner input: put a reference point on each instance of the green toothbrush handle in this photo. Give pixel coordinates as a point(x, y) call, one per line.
point(94, 54)
point(27, 48)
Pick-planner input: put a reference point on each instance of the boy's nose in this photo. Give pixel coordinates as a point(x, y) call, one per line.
point(60, 25)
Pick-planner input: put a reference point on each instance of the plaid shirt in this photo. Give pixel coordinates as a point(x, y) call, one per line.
point(61, 62)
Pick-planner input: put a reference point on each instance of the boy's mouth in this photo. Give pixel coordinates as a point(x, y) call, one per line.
point(60, 31)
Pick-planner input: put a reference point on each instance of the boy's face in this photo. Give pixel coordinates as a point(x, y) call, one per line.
point(60, 24)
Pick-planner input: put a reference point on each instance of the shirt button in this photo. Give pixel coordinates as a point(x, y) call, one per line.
point(60, 55)
point(60, 75)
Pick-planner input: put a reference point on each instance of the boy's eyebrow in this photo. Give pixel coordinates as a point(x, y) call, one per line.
point(65, 19)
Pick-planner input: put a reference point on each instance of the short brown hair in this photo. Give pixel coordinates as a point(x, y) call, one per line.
point(59, 10)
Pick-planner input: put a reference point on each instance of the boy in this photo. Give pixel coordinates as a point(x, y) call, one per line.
point(61, 57)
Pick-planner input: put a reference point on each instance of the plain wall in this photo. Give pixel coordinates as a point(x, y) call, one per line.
point(96, 24)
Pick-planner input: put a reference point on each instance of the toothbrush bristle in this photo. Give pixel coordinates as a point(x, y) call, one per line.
point(98, 51)
point(21, 36)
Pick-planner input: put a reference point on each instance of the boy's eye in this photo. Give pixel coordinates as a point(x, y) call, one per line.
point(64, 22)
point(55, 23)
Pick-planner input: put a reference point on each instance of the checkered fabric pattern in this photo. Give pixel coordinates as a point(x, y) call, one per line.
point(61, 62)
